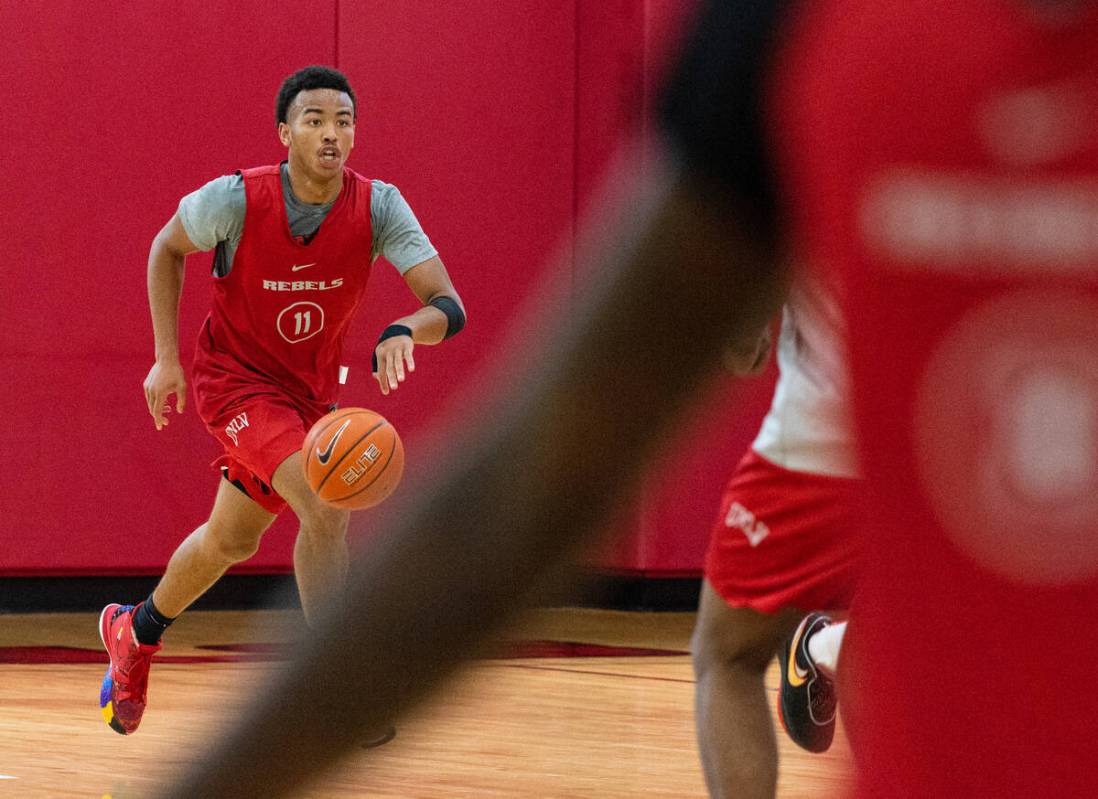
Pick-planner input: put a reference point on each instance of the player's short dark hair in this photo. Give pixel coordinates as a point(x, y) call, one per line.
point(308, 78)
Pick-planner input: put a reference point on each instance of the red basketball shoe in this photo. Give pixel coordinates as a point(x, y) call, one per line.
point(122, 696)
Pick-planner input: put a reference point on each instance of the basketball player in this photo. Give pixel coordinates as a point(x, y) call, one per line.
point(941, 159)
point(294, 244)
point(784, 540)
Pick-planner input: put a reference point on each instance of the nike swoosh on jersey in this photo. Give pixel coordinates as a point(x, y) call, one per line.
point(299, 267)
point(324, 455)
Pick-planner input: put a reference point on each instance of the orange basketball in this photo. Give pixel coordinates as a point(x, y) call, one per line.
point(353, 458)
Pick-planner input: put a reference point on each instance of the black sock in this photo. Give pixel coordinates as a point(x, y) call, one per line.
point(149, 623)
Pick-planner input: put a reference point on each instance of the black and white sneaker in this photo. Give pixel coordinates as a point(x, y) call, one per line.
point(806, 702)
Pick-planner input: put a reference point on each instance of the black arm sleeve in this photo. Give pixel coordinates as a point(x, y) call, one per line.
point(712, 109)
point(455, 317)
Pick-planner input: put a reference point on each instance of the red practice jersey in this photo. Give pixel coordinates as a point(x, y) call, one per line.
point(280, 315)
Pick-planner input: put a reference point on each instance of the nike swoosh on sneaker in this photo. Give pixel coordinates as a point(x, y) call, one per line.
point(794, 673)
point(299, 267)
point(324, 455)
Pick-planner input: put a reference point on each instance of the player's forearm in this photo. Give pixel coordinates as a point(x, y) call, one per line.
point(165, 284)
point(428, 325)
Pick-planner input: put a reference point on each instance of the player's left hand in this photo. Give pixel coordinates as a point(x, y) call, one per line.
point(392, 356)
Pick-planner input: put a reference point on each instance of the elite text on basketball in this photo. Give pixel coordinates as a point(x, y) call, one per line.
point(364, 462)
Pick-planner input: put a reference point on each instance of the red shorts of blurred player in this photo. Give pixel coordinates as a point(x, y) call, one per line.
point(785, 539)
point(259, 429)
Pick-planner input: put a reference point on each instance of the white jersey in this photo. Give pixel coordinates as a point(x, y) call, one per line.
point(808, 427)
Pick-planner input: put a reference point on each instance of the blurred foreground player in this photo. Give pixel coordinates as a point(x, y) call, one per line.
point(942, 158)
point(294, 243)
point(786, 540)
point(953, 183)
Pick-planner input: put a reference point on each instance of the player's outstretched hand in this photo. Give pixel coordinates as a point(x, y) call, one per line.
point(392, 355)
point(164, 379)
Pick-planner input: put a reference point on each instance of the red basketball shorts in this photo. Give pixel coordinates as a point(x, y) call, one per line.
point(784, 539)
point(259, 429)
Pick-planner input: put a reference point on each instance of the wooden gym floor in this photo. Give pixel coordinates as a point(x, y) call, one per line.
point(545, 719)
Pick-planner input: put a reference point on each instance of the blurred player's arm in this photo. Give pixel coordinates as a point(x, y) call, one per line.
point(747, 356)
point(716, 111)
point(169, 249)
point(442, 315)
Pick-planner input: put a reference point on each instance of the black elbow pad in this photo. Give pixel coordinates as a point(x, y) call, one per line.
point(455, 317)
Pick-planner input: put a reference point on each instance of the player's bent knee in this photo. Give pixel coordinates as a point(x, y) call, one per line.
point(322, 519)
point(231, 546)
point(710, 651)
point(236, 551)
point(710, 645)
point(317, 517)
point(741, 638)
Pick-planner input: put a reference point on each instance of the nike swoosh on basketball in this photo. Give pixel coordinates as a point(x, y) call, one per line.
point(795, 674)
point(299, 267)
point(326, 453)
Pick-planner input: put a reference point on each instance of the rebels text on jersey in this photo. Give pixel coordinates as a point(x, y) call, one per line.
point(269, 325)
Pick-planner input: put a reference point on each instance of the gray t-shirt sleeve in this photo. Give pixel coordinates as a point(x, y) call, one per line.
point(397, 234)
point(215, 213)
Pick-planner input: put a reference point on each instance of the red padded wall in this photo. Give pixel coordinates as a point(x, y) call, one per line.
point(496, 120)
point(624, 49)
point(122, 109)
point(469, 112)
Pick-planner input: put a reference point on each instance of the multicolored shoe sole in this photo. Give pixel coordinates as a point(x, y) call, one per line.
point(106, 690)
